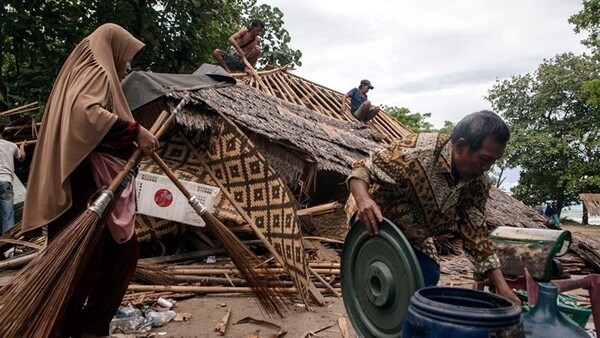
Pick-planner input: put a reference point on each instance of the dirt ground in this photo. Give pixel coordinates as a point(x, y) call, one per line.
point(207, 311)
point(588, 230)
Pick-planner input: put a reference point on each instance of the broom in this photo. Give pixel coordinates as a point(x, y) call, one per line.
point(31, 303)
point(260, 279)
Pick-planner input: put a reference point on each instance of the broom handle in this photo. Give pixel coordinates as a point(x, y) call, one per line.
point(163, 166)
point(158, 129)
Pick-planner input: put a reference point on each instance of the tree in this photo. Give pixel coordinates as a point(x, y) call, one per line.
point(447, 128)
point(496, 173)
point(275, 39)
point(555, 135)
point(588, 19)
point(38, 35)
point(414, 121)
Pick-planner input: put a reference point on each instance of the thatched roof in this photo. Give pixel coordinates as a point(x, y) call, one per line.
point(318, 98)
point(505, 210)
point(330, 143)
point(592, 203)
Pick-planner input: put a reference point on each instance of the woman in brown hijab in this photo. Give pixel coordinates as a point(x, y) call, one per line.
point(87, 134)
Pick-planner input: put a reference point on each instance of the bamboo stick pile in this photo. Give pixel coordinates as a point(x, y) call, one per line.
point(190, 279)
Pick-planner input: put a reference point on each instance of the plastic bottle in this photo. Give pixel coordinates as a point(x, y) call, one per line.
point(128, 311)
point(164, 303)
point(128, 325)
point(160, 318)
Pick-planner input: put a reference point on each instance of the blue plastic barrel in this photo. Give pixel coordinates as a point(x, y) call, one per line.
point(463, 313)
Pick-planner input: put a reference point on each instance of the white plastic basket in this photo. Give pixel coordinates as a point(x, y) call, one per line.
point(158, 197)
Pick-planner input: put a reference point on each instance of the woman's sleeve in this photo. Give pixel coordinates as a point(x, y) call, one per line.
point(122, 131)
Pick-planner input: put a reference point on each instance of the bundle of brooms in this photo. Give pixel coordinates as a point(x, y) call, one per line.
point(38, 295)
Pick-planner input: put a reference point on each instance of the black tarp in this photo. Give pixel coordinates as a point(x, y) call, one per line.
point(141, 88)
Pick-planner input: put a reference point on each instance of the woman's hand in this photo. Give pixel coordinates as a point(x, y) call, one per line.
point(146, 141)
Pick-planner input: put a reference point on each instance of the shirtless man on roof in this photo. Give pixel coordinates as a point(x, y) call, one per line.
point(245, 43)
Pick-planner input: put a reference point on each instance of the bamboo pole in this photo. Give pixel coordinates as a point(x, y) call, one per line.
point(21, 127)
point(258, 79)
point(205, 289)
point(323, 239)
point(18, 109)
point(233, 281)
point(16, 262)
point(320, 279)
point(217, 271)
point(218, 280)
point(20, 242)
point(28, 142)
point(319, 209)
point(316, 264)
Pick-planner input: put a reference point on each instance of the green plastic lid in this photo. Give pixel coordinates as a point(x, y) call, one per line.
point(379, 275)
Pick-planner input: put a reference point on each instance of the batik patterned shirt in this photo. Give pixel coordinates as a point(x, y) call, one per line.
point(411, 180)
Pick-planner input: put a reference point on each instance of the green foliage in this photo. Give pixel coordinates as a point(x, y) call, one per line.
point(414, 121)
point(555, 135)
point(38, 35)
point(447, 128)
point(275, 39)
point(588, 20)
point(591, 90)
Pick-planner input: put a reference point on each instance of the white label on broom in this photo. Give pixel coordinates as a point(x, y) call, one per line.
point(158, 197)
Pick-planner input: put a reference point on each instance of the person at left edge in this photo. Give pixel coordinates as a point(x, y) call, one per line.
point(87, 134)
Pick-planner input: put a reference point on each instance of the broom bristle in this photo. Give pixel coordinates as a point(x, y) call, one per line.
point(38, 294)
point(151, 273)
point(260, 279)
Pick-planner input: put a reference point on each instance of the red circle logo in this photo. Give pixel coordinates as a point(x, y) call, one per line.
point(163, 198)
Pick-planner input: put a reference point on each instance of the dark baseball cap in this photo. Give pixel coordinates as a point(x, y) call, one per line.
point(366, 83)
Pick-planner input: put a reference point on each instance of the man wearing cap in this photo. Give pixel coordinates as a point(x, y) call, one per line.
point(360, 107)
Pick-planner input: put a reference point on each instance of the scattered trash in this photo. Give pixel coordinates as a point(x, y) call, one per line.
point(164, 303)
point(128, 311)
point(221, 326)
point(128, 325)
point(130, 319)
point(16, 251)
point(182, 317)
point(211, 259)
point(160, 318)
point(343, 324)
point(282, 332)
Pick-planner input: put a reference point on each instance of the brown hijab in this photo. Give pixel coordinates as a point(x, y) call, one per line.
point(85, 101)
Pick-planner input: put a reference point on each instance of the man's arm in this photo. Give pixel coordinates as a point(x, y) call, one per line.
point(367, 210)
point(22, 153)
point(497, 279)
point(344, 100)
point(476, 241)
point(234, 39)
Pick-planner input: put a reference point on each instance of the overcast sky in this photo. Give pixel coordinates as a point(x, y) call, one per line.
point(434, 56)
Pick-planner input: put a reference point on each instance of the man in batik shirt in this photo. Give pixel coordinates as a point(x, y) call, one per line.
point(430, 183)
